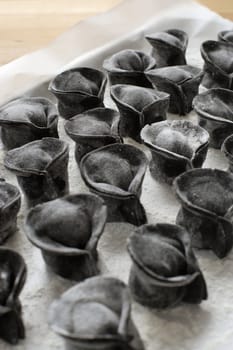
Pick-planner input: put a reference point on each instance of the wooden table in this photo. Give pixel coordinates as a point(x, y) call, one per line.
point(26, 25)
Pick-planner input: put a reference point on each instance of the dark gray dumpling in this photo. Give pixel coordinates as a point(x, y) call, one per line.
point(129, 67)
point(165, 271)
point(41, 169)
point(218, 64)
point(12, 279)
point(175, 146)
point(138, 106)
point(95, 313)
point(226, 35)
point(206, 197)
point(116, 172)
point(169, 47)
point(215, 110)
point(10, 201)
point(93, 129)
point(180, 82)
point(78, 90)
point(27, 119)
point(227, 149)
point(67, 231)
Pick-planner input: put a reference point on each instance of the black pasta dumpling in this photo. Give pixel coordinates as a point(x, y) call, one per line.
point(227, 149)
point(138, 106)
point(95, 314)
point(78, 90)
point(206, 197)
point(169, 47)
point(218, 64)
point(165, 271)
point(67, 231)
point(41, 169)
point(115, 173)
point(175, 146)
point(93, 129)
point(215, 111)
point(129, 67)
point(10, 200)
point(226, 35)
point(12, 279)
point(180, 82)
point(27, 119)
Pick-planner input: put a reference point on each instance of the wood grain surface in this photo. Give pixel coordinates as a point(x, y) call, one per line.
point(27, 25)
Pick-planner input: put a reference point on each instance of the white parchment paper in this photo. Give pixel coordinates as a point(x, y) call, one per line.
point(208, 326)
